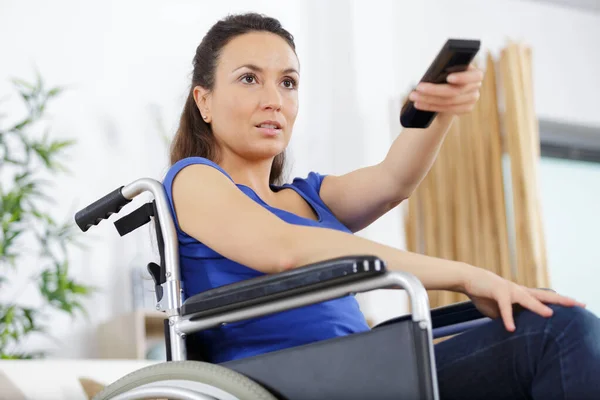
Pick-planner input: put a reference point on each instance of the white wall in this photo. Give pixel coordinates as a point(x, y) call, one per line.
point(129, 62)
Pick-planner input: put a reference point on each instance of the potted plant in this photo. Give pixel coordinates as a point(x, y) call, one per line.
point(28, 230)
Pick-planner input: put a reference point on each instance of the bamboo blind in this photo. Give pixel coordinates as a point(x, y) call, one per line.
point(459, 211)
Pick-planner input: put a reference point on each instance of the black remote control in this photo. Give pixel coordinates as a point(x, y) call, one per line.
point(455, 56)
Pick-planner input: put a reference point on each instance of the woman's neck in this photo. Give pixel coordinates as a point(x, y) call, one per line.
point(252, 174)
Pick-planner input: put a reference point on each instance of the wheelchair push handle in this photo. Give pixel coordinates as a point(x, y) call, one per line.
point(101, 209)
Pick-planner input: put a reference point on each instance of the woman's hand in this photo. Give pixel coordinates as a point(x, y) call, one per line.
point(494, 297)
point(458, 96)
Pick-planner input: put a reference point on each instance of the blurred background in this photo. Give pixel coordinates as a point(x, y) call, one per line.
point(124, 69)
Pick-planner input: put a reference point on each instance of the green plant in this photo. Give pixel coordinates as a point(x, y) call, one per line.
point(29, 234)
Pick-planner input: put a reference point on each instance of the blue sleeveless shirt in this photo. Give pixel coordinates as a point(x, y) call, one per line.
point(203, 269)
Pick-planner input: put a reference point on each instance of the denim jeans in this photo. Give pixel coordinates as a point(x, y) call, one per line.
point(545, 358)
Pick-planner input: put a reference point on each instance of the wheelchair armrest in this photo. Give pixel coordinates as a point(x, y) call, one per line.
point(454, 314)
point(449, 315)
point(266, 288)
point(453, 318)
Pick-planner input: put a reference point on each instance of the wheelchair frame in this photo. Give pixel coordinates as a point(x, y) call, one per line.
point(181, 325)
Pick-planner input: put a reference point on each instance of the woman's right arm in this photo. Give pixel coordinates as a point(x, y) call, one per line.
point(213, 210)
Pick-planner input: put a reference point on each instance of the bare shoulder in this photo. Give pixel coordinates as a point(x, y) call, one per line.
point(198, 188)
point(210, 208)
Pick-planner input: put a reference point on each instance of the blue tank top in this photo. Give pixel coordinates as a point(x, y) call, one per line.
point(202, 269)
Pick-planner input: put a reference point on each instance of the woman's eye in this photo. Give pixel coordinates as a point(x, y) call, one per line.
point(289, 83)
point(249, 79)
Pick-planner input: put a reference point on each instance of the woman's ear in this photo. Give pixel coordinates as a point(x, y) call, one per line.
point(202, 99)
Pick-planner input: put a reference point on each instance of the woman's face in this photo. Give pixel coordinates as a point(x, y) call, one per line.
point(254, 103)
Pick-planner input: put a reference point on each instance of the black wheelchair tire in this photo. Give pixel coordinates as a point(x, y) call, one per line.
point(214, 375)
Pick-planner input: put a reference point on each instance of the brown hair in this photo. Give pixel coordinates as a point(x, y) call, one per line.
point(194, 136)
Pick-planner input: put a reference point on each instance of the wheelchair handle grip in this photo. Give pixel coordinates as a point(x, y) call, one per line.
point(101, 209)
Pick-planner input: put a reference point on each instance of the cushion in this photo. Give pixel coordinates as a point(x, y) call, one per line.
point(8, 390)
point(90, 387)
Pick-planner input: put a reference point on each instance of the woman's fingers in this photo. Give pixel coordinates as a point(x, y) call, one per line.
point(471, 75)
point(527, 300)
point(548, 296)
point(533, 300)
point(446, 90)
point(456, 97)
point(506, 311)
point(456, 109)
point(463, 98)
point(446, 98)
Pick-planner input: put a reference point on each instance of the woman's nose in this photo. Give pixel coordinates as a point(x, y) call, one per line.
point(272, 98)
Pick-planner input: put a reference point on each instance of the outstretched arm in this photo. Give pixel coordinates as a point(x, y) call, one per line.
point(362, 196)
point(219, 215)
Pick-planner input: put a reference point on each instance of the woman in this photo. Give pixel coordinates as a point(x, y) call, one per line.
point(235, 220)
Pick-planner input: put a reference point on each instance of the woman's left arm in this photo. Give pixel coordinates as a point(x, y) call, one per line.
point(362, 196)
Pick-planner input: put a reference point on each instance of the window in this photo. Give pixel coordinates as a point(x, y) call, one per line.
point(569, 180)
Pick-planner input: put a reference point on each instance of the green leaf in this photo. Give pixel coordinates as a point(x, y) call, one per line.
point(39, 82)
point(20, 82)
point(42, 153)
point(78, 289)
point(21, 125)
point(9, 314)
point(49, 151)
point(29, 315)
point(60, 291)
point(54, 92)
point(22, 177)
point(61, 145)
point(9, 239)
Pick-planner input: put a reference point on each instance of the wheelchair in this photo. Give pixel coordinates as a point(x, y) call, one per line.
point(395, 359)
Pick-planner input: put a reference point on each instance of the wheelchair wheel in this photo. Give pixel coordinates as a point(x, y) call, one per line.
point(195, 377)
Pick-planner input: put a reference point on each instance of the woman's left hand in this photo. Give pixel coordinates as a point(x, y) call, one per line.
point(458, 96)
